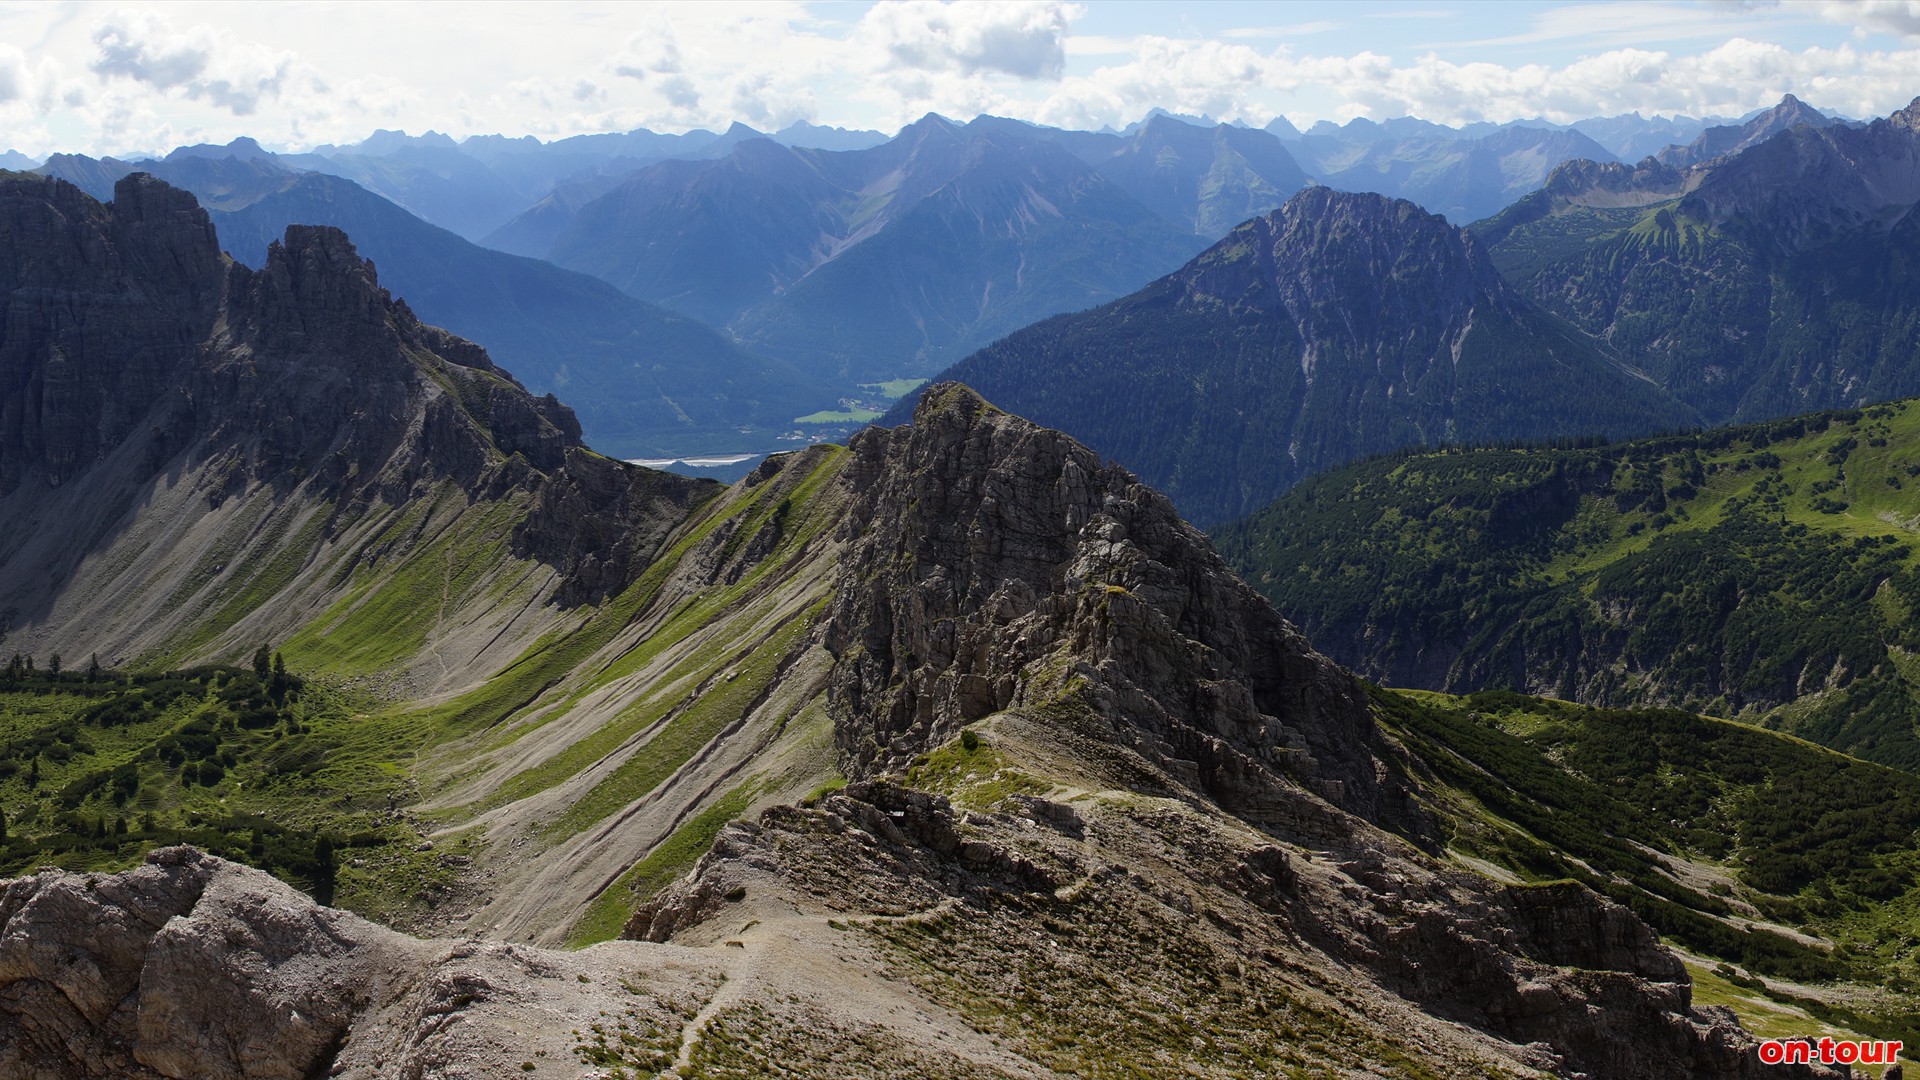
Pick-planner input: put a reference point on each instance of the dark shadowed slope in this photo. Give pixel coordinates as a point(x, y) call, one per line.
point(1769, 281)
point(647, 382)
point(1339, 326)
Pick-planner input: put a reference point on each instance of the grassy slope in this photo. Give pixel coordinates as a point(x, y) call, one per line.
point(1765, 572)
point(1790, 871)
point(340, 760)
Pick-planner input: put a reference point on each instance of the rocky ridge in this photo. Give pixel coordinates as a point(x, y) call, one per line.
point(1005, 586)
point(139, 365)
point(1768, 281)
point(1091, 773)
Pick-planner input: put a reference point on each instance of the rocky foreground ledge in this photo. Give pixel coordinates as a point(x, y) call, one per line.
point(194, 967)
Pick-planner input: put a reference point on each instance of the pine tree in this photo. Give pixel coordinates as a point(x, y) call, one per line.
point(33, 773)
point(324, 873)
point(261, 662)
point(93, 668)
point(53, 665)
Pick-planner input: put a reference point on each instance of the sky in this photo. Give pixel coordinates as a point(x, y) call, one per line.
point(127, 79)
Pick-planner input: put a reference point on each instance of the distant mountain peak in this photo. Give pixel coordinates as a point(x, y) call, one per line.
point(1720, 141)
point(931, 121)
point(1340, 325)
point(1908, 117)
point(242, 148)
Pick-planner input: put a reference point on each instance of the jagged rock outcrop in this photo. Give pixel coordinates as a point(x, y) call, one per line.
point(1000, 564)
point(186, 966)
point(134, 354)
point(1000, 578)
point(194, 968)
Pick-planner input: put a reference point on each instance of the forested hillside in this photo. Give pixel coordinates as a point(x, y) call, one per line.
point(1766, 573)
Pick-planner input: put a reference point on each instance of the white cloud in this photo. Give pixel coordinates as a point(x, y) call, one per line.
point(1900, 17)
point(201, 62)
point(1022, 38)
point(1731, 79)
point(1186, 76)
point(128, 76)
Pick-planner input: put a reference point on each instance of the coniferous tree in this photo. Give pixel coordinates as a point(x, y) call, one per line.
point(53, 665)
point(324, 874)
point(262, 662)
point(93, 668)
point(3, 826)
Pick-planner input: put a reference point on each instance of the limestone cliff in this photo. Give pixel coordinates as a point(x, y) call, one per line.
point(1068, 721)
point(142, 370)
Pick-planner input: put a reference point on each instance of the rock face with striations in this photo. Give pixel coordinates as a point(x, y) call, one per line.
point(139, 363)
point(194, 968)
point(1233, 798)
point(999, 564)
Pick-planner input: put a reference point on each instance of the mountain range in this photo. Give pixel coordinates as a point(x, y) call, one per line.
point(1339, 326)
point(1768, 281)
point(874, 264)
point(807, 248)
point(1462, 178)
point(651, 383)
point(953, 752)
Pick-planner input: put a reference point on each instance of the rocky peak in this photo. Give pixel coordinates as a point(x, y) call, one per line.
point(107, 303)
point(1353, 258)
point(1720, 141)
point(1908, 117)
point(314, 286)
point(997, 564)
point(166, 240)
point(1812, 185)
point(1595, 183)
point(132, 344)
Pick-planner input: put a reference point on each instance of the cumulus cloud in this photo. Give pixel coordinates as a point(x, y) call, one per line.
point(1729, 80)
point(201, 62)
point(1025, 39)
point(1207, 77)
point(710, 66)
point(1888, 16)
